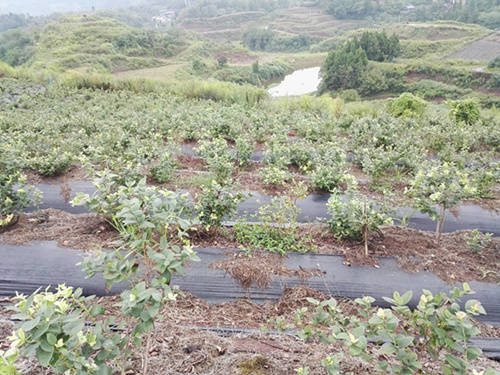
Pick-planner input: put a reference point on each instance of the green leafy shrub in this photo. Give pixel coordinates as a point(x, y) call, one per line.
point(301, 153)
point(217, 203)
point(111, 195)
point(437, 328)
point(429, 89)
point(407, 105)
point(274, 175)
point(357, 216)
point(68, 346)
point(349, 96)
point(244, 148)
point(164, 168)
point(328, 166)
point(53, 325)
point(15, 193)
point(477, 241)
point(51, 163)
point(464, 111)
point(495, 63)
point(494, 82)
point(276, 226)
point(441, 184)
point(218, 157)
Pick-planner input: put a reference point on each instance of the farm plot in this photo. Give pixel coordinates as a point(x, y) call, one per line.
point(129, 142)
point(312, 21)
point(482, 50)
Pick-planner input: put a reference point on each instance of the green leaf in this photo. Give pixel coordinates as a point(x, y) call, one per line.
point(466, 287)
point(403, 341)
point(387, 348)
point(108, 344)
point(153, 311)
point(37, 333)
point(51, 338)
point(45, 345)
point(456, 363)
point(473, 353)
point(97, 310)
point(137, 342)
point(407, 297)
point(44, 357)
point(72, 327)
point(30, 324)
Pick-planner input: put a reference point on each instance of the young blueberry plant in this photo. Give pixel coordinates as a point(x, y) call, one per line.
point(63, 330)
point(397, 340)
point(148, 256)
point(15, 193)
point(216, 203)
point(439, 184)
point(153, 245)
point(355, 215)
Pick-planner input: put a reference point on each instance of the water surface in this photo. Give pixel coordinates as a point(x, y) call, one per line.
point(300, 82)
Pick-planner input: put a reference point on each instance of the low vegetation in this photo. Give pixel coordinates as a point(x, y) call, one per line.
point(62, 109)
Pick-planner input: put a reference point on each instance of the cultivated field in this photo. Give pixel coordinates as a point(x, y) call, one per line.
point(484, 49)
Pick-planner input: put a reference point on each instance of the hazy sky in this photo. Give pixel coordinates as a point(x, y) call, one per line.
point(37, 7)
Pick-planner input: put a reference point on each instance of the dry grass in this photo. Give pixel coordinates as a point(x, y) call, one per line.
point(165, 73)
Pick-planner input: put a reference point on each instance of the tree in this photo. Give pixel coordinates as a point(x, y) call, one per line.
point(344, 68)
point(222, 61)
point(495, 63)
point(378, 46)
point(441, 184)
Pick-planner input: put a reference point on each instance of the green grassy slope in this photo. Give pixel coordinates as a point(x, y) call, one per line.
point(103, 44)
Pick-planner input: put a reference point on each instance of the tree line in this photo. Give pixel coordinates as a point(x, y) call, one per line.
point(346, 67)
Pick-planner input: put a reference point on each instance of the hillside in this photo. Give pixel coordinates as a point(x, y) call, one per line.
point(485, 49)
point(101, 44)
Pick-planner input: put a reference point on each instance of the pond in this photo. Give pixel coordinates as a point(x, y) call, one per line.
point(304, 81)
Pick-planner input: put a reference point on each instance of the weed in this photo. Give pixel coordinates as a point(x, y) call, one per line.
point(276, 229)
point(477, 241)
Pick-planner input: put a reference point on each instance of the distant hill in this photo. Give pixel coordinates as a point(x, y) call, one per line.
point(86, 41)
point(36, 7)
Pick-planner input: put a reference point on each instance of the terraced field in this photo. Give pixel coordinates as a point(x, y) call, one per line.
point(312, 21)
point(293, 21)
point(483, 50)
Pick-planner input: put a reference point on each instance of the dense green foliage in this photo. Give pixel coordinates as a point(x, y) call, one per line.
point(407, 105)
point(12, 21)
point(439, 319)
point(378, 46)
point(254, 75)
point(347, 67)
point(260, 39)
point(17, 47)
point(483, 12)
point(495, 63)
point(344, 68)
point(132, 132)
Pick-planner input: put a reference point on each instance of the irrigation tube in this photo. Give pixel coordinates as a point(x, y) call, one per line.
point(27, 268)
point(311, 208)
